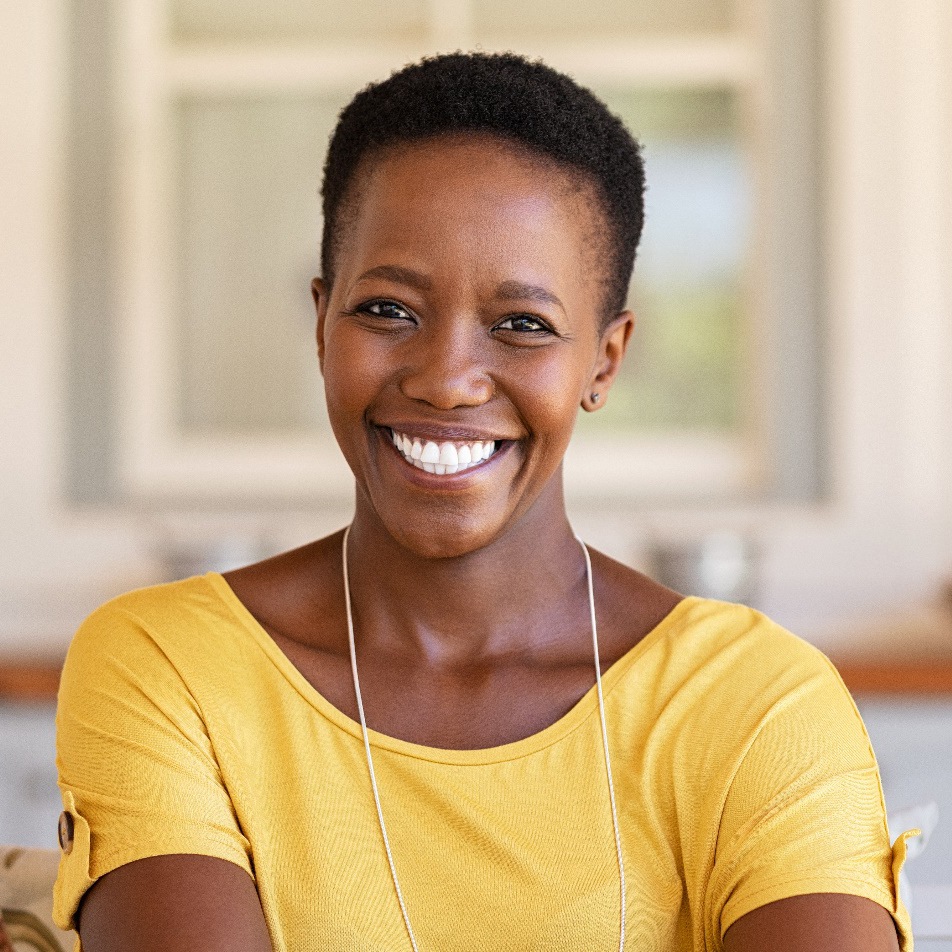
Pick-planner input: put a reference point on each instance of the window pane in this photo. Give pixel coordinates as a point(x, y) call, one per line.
point(571, 19)
point(322, 20)
point(248, 245)
point(685, 362)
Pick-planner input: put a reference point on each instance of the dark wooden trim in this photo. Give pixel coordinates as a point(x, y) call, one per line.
point(925, 677)
point(25, 681)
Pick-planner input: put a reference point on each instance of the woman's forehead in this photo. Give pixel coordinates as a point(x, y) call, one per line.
point(469, 195)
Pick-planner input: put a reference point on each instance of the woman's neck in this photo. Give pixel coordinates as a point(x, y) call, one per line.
point(519, 593)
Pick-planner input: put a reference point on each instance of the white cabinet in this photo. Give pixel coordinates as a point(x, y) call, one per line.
point(29, 798)
point(913, 744)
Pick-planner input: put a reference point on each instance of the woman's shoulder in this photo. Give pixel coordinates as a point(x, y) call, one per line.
point(724, 664)
point(209, 608)
point(715, 677)
point(718, 653)
point(632, 607)
point(170, 629)
point(166, 606)
point(741, 642)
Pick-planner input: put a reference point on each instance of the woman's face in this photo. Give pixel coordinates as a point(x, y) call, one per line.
point(465, 320)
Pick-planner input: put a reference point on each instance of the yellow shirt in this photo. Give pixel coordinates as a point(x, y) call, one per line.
point(743, 774)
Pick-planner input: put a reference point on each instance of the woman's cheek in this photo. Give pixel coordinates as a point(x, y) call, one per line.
point(554, 392)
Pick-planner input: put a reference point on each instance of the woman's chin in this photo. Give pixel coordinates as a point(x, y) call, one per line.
point(442, 540)
point(438, 526)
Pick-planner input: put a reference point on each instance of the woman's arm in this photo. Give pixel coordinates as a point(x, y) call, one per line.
point(174, 904)
point(154, 857)
point(818, 922)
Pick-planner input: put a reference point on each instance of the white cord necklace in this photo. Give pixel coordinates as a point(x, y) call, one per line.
point(370, 762)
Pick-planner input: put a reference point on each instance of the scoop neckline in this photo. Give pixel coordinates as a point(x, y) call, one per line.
point(514, 750)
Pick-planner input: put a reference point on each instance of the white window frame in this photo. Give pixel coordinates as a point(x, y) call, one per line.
point(157, 459)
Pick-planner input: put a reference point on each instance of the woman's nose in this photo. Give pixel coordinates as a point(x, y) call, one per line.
point(448, 370)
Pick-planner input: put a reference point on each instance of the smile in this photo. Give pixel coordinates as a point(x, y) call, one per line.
point(442, 459)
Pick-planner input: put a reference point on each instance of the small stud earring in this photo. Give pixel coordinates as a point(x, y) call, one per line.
point(596, 397)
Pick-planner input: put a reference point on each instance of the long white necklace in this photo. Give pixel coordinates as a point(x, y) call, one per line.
point(370, 762)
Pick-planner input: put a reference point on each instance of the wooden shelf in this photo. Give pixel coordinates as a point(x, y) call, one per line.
point(925, 677)
point(39, 682)
point(26, 681)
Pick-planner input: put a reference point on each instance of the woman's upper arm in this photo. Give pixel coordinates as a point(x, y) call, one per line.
point(804, 822)
point(178, 903)
point(141, 781)
point(816, 922)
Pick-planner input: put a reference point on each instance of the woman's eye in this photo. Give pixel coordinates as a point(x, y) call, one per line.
point(386, 309)
point(523, 323)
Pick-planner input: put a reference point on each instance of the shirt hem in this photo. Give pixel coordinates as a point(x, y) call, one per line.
point(122, 857)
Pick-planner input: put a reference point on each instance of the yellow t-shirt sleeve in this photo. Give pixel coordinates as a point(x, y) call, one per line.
point(805, 811)
point(137, 767)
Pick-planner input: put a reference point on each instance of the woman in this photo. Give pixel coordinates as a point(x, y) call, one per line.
point(224, 787)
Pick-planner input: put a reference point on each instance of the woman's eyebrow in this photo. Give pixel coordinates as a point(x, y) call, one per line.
point(517, 291)
point(506, 291)
point(407, 276)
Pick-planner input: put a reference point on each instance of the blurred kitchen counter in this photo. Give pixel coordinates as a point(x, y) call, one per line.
point(29, 681)
point(906, 653)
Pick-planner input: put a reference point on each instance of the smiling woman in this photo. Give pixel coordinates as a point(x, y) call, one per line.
point(451, 725)
point(466, 306)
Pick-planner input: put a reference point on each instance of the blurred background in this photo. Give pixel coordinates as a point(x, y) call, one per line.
point(783, 431)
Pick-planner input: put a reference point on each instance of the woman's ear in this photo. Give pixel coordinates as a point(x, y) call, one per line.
point(319, 291)
point(613, 342)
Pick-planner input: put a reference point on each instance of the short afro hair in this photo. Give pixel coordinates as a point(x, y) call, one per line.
point(507, 96)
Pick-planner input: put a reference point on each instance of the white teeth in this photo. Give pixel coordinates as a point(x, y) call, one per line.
point(442, 459)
